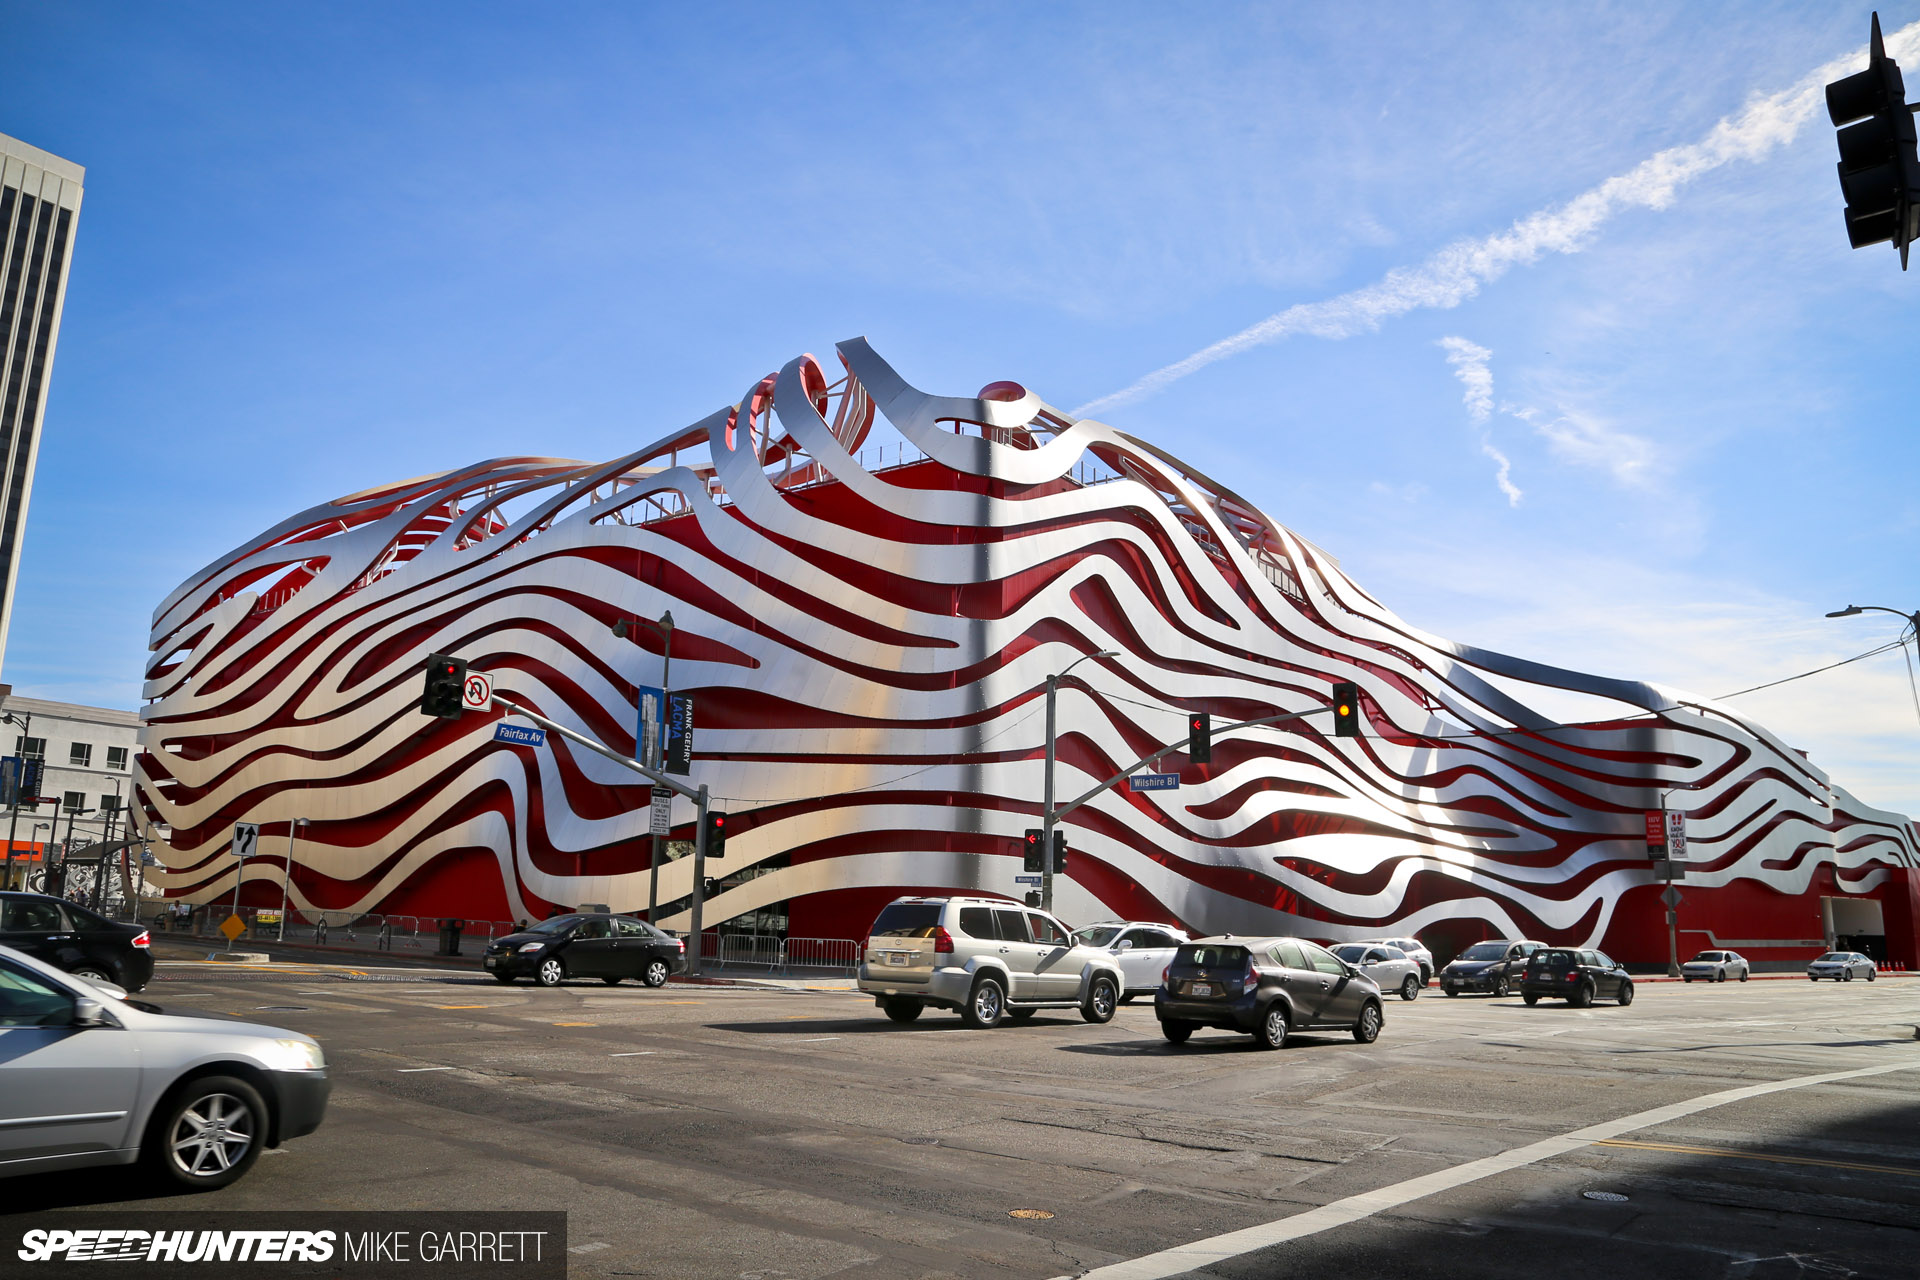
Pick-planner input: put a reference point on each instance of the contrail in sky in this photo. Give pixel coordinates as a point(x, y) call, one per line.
point(1456, 272)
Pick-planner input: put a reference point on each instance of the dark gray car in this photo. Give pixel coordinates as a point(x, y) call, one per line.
point(1491, 967)
point(1266, 987)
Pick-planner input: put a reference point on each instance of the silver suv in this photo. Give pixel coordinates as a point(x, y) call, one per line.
point(987, 958)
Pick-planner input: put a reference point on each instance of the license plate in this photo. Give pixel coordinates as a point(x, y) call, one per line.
point(896, 957)
point(1200, 989)
point(493, 962)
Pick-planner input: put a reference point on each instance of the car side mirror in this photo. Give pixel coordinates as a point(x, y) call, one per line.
point(1126, 944)
point(91, 1013)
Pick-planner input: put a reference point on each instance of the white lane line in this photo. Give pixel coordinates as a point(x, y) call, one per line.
point(637, 1053)
point(815, 1039)
point(407, 1071)
point(1216, 1249)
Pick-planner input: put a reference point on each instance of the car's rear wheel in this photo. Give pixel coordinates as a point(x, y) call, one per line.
point(1529, 997)
point(1102, 998)
point(1626, 993)
point(655, 974)
point(207, 1134)
point(1582, 996)
point(1273, 1028)
point(986, 1005)
point(902, 1010)
point(1367, 1029)
point(1410, 989)
point(1176, 1032)
point(552, 972)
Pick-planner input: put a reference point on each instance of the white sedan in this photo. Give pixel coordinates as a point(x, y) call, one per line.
point(1841, 966)
point(1391, 968)
point(1715, 966)
point(1142, 948)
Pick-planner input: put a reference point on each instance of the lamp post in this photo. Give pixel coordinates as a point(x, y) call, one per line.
point(34, 838)
point(665, 627)
point(73, 815)
point(1047, 818)
point(286, 876)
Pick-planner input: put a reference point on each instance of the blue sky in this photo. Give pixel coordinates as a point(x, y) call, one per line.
point(325, 246)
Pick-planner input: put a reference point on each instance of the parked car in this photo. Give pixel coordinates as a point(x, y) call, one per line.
point(1578, 977)
point(1141, 948)
point(1841, 966)
point(1416, 951)
point(986, 958)
point(1390, 968)
point(1266, 987)
point(87, 1080)
point(75, 940)
point(587, 946)
point(1714, 966)
point(1492, 967)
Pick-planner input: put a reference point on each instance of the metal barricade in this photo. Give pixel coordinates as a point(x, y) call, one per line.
point(818, 954)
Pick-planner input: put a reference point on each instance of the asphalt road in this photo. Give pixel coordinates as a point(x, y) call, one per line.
point(696, 1132)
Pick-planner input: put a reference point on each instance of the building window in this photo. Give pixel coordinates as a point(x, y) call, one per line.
point(81, 755)
point(33, 748)
point(109, 803)
point(117, 758)
point(73, 801)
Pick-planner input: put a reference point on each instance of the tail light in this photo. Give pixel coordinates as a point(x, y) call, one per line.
point(144, 940)
point(942, 942)
point(1163, 975)
point(682, 944)
point(1574, 976)
point(1249, 982)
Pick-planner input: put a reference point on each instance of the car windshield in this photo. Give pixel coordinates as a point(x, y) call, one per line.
point(1098, 935)
point(1486, 951)
point(1352, 952)
point(1835, 956)
point(559, 924)
point(1710, 957)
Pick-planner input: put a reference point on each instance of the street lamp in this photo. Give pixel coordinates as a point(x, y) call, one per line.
point(665, 627)
point(34, 838)
point(286, 875)
point(1913, 619)
point(1047, 819)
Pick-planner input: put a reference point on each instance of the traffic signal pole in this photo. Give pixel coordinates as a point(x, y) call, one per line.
point(1050, 816)
point(698, 795)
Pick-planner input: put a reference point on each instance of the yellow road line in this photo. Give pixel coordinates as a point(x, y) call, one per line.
point(1683, 1149)
point(463, 1006)
point(576, 1024)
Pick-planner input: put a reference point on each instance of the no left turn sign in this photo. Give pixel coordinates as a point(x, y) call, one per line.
point(477, 693)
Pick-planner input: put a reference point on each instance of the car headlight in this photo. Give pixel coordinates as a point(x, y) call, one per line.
point(531, 946)
point(295, 1055)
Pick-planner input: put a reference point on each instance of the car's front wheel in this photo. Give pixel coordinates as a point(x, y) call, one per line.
point(1626, 994)
point(1743, 975)
point(92, 971)
point(1499, 988)
point(207, 1134)
point(986, 1005)
point(655, 974)
point(1273, 1028)
point(1871, 973)
point(1847, 977)
point(1367, 1029)
point(552, 972)
point(1102, 999)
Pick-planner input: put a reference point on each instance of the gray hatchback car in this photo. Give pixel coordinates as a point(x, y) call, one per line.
point(1267, 987)
point(86, 1079)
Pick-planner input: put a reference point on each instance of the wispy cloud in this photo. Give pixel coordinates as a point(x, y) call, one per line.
point(1457, 272)
point(1588, 441)
point(1472, 364)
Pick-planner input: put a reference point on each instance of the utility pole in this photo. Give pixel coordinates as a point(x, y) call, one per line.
point(25, 721)
point(665, 627)
point(286, 875)
point(1048, 818)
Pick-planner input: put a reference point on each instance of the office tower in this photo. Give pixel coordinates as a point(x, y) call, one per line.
point(39, 205)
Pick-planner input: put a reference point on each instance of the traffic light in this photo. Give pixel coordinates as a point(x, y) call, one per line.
point(1030, 850)
point(445, 679)
point(1059, 852)
point(1200, 737)
point(1346, 710)
point(716, 834)
point(1879, 171)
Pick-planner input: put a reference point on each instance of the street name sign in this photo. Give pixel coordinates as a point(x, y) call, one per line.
point(519, 735)
point(1154, 782)
point(1027, 879)
point(246, 840)
point(477, 693)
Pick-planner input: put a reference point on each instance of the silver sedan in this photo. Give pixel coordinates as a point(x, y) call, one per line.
point(1390, 967)
point(1715, 966)
point(1841, 966)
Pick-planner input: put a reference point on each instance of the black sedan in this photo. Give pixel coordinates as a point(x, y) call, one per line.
point(76, 940)
point(1577, 977)
point(588, 946)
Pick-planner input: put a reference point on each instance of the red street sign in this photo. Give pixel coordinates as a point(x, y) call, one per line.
point(1656, 829)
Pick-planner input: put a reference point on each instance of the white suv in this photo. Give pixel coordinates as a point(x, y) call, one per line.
point(987, 958)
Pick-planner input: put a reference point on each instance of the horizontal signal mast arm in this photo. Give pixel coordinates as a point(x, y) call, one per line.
point(1120, 777)
point(659, 779)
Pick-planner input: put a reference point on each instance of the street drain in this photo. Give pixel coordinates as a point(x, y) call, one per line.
point(921, 1142)
point(282, 1008)
point(1031, 1214)
point(1610, 1197)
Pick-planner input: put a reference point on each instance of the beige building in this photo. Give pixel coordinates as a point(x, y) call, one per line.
point(86, 757)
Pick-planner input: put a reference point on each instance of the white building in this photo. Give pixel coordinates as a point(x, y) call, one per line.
point(86, 756)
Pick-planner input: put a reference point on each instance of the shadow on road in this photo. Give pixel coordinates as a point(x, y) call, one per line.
point(79, 1187)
